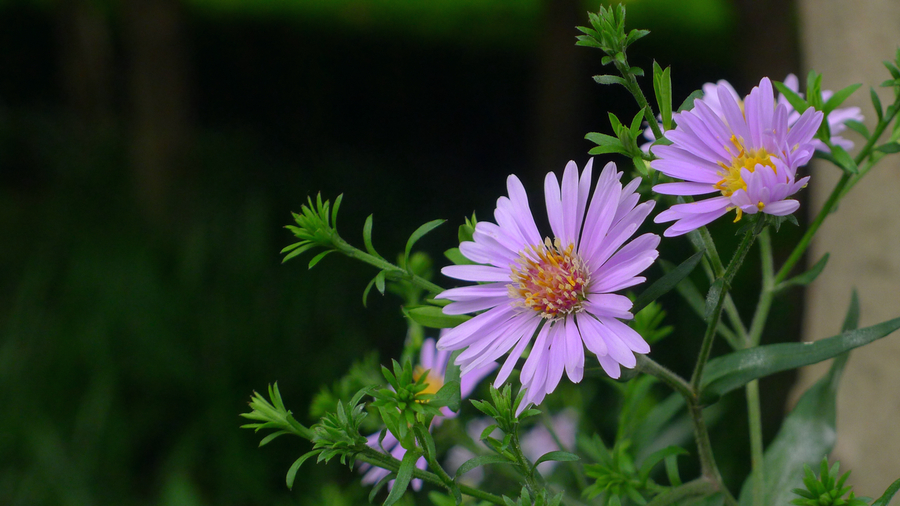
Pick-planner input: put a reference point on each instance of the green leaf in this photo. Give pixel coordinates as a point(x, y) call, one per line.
point(292, 472)
point(662, 285)
point(792, 97)
point(688, 103)
point(876, 103)
point(838, 98)
point(456, 256)
point(367, 237)
point(844, 160)
point(603, 139)
point(479, 461)
point(559, 456)
point(885, 499)
point(418, 234)
point(726, 373)
point(858, 127)
point(607, 79)
point(298, 251)
point(404, 474)
point(662, 88)
point(434, 317)
point(657, 457)
point(890, 147)
point(377, 281)
point(603, 150)
point(266, 440)
point(319, 257)
point(806, 436)
point(807, 277)
point(448, 395)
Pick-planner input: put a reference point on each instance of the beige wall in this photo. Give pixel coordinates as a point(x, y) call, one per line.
point(846, 40)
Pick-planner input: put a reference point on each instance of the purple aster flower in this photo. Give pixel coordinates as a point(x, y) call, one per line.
point(433, 362)
point(749, 154)
point(539, 440)
point(557, 291)
point(836, 119)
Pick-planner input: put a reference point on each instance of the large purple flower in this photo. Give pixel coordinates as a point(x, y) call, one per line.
point(434, 362)
point(748, 154)
point(554, 294)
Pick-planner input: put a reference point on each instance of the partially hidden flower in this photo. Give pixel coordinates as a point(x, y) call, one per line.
point(836, 119)
point(554, 294)
point(749, 155)
point(535, 443)
point(433, 362)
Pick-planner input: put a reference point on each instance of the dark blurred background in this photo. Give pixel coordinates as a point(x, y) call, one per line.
point(152, 150)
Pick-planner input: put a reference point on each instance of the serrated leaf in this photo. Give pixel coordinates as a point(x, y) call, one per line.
point(316, 259)
point(608, 79)
point(664, 284)
point(479, 461)
point(404, 474)
point(792, 97)
point(434, 317)
point(807, 277)
point(838, 98)
point(726, 373)
point(418, 234)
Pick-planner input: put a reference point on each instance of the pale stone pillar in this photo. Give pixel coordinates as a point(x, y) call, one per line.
point(846, 40)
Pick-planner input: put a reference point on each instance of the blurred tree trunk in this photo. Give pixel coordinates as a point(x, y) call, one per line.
point(847, 41)
point(768, 40)
point(86, 58)
point(560, 88)
point(159, 91)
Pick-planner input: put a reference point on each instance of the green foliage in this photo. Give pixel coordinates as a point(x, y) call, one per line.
point(316, 227)
point(607, 33)
point(826, 490)
point(405, 403)
point(362, 373)
point(539, 498)
point(618, 481)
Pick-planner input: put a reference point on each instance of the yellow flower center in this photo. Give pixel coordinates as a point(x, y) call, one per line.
point(741, 158)
point(550, 279)
point(433, 382)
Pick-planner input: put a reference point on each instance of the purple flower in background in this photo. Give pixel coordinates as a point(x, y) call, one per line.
point(836, 119)
point(539, 440)
point(433, 361)
point(557, 291)
point(749, 154)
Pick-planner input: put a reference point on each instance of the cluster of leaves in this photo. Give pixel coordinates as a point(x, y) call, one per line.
point(617, 479)
point(316, 227)
point(539, 498)
point(827, 489)
point(607, 33)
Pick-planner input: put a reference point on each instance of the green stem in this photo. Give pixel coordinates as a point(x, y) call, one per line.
point(576, 469)
point(632, 85)
point(390, 269)
point(376, 458)
point(801, 246)
point(715, 269)
point(696, 488)
point(754, 413)
point(713, 322)
point(647, 365)
point(704, 451)
point(756, 445)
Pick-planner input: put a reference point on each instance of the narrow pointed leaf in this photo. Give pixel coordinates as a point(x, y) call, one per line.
point(316, 259)
point(418, 234)
point(844, 160)
point(858, 127)
point(662, 285)
point(688, 103)
point(404, 474)
point(657, 457)
point(292, 472)
point(559, 456)
point(607, 79)
point(367, 237)
point(807, 277)
point(479, 461)
point(726, 373)
point(792, 97)
point(885, 499)
point(838, 98)
point(890, 147)
point(434, 317)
